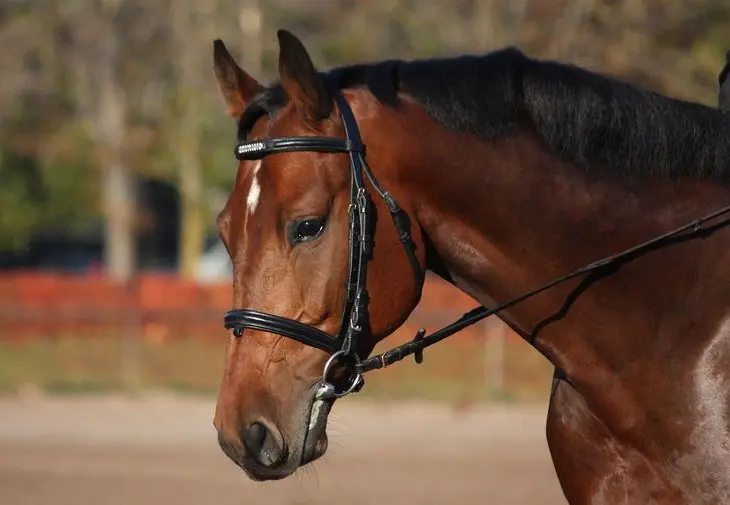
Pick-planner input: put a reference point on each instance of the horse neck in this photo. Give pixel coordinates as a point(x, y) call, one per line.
point(506, 216)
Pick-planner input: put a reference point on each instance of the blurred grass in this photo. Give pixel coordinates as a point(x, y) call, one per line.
point(454, 372)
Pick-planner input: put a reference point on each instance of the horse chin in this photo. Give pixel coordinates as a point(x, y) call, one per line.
point(315, 440)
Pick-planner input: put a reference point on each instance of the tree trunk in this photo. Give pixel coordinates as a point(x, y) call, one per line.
point(118, 192)
point(192, 215)
point(250, 21)
point(187, 144)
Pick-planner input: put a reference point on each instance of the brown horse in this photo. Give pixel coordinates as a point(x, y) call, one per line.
point(501, 173)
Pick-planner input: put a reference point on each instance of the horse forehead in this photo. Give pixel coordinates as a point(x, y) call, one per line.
point(289, 175)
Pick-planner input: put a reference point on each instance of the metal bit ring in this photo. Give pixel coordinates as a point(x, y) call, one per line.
point(327, 387)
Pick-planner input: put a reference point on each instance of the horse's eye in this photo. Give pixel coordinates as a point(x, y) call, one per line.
point(306, 229)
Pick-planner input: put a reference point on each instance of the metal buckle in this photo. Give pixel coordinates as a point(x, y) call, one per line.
point(355, 319)
point(326, 390)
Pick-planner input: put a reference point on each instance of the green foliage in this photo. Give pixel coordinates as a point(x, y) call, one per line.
point(53, 148)
point(35, 196)
point(19, 213)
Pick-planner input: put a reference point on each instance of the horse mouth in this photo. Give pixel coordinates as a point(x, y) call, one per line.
point(315, 439)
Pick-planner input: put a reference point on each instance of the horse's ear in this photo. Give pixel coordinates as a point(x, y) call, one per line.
point(238, 88)
point(300, 79)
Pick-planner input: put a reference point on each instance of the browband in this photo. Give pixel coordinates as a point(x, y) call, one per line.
point(257, 149)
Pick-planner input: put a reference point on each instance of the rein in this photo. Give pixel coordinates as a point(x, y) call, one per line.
point(355, 318)
point(475, 315)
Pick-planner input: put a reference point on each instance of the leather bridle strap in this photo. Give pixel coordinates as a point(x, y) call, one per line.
point(355, 319)
point(355, 315)
point(399, 217)
point(239, 319)
point(255, 320)
point(258, 149)
point(421, 341)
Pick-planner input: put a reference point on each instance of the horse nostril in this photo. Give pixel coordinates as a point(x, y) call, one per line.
point(254, 436)
point(263, 444)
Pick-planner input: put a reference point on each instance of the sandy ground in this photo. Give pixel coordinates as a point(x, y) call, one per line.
point(162, 450)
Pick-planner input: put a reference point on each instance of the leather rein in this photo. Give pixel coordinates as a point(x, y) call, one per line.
point(355, 322)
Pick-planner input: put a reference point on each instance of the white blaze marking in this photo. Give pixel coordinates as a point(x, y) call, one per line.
point(254, 191)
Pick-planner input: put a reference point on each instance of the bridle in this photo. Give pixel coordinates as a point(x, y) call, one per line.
point(355, 322)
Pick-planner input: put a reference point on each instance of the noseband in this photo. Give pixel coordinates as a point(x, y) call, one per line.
point(355, 323)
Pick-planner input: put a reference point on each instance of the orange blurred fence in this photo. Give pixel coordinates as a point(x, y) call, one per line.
point(34, 305)
point(162, 310)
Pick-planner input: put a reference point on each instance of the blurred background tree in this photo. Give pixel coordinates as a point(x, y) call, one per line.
point(97, 94)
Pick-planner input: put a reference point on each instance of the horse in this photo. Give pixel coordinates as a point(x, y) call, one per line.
point(587, 213)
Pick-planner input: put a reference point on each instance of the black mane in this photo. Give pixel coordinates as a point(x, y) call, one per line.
point(590, 120)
